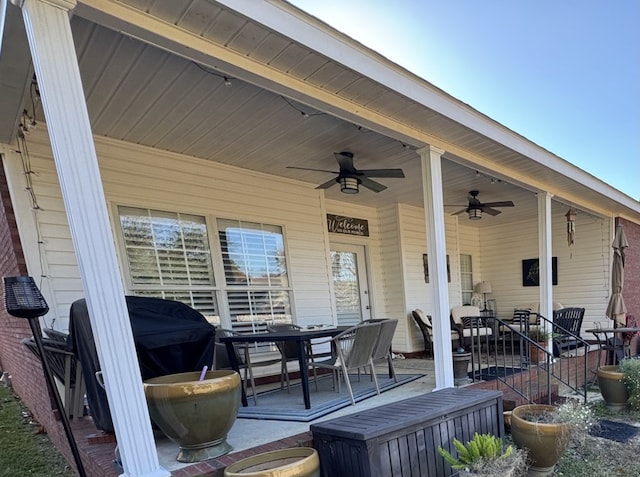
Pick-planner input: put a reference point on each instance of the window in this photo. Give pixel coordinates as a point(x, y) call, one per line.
point(466, 278)
point(168, 256)
point(255, 272)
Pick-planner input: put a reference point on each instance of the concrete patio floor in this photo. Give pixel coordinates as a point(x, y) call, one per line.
point(250, 433)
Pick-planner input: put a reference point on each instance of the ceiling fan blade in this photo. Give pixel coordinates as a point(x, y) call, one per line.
point(345, 161)
point(507, 203)
point(460, 211)
point(309, 169)
point(372, 185)
point(327, 184)
point(489, 210)
point(397, 173)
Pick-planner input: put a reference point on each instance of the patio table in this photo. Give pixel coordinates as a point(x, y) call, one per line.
point(615, 347)
point(300, 337)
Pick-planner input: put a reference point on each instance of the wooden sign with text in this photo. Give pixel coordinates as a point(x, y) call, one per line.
point(339, 224)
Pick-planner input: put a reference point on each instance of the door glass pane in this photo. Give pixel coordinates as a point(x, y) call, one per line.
point(346, 287)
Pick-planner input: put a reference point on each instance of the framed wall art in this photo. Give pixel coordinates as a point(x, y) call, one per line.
point(531, 272)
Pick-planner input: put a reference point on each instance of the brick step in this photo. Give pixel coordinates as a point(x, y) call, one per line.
point(511, 399)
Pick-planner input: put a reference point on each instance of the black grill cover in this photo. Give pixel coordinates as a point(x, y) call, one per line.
point(170, 337)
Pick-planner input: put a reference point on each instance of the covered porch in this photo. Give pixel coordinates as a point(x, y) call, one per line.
point(212, 114)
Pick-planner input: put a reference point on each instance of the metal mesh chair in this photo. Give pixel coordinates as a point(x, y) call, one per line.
point(288, 350)
point(353, 350)
point(243, 358)
point(382, 349)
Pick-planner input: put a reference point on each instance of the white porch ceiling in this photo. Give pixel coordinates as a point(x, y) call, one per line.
point(142, 94)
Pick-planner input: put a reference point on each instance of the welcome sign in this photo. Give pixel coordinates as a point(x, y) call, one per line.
point(339, 224)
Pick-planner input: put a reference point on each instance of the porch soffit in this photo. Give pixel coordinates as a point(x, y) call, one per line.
point(131, 88)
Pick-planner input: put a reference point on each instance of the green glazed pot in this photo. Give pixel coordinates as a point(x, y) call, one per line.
point(293, 462)
point(612, 388)
point(545, 442)
point(197, 415)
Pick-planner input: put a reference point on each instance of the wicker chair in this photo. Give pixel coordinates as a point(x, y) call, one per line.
point(424, 324)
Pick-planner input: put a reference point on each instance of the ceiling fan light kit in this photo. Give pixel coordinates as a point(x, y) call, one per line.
point(350, 178)
point(349, 185)
point(475, 214)
point(475, 208)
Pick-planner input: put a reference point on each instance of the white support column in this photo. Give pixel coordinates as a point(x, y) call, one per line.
point(56, 66)
point(431, 162)
point(545, 252)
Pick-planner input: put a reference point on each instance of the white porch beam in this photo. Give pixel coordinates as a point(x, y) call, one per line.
point(431, 161)
point(545, 252)
point(54, 57)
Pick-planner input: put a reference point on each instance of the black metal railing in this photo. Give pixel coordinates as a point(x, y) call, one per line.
point(510, 356)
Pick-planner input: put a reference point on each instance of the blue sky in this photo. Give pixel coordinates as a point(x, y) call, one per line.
point(565, 74)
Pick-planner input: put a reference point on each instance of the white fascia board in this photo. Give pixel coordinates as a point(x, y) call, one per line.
point(320, 37)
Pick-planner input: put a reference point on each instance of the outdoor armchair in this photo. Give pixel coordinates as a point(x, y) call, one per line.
point(469, 325)
point(566, 329)
point(66, 368)
point(353, 350)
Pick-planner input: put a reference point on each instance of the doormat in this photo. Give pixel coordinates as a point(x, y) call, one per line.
point(283, 405)
point(493, 372)
point(614, 431)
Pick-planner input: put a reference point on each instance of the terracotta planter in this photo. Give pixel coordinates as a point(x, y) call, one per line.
point(536, 354)
point(197, 415)
point(544, 442)
point(293, 462)
point(612, 388)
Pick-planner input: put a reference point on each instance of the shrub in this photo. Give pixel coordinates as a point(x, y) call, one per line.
point(630, 369)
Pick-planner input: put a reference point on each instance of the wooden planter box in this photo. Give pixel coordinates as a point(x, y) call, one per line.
point(402, 438)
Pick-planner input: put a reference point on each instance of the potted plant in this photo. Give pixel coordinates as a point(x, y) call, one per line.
point(485, 456)
point(541, 337)
point(612, 388)
point(545, 432)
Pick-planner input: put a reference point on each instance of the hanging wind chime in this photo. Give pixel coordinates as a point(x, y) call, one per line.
point(571, 226)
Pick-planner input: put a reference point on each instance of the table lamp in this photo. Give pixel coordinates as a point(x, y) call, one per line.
point(484, 287)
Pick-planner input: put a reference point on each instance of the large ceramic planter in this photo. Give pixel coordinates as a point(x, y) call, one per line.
point(545, 442)
point(293, 462)
point(612, 388)
point(197, 415)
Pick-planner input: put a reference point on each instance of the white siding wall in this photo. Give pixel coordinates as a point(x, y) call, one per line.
point(138, 176)
point(417, 292)
point(583, 268)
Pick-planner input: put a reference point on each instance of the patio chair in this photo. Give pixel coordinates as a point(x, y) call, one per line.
point(66, 368)
point(469, 325)
point(382, 349)
point(288, 350)
point(569, 319)
point(243, 358)
point(353, 350)
point(424, 324)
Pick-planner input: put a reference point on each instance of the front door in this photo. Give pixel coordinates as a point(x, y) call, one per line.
point(350, 284)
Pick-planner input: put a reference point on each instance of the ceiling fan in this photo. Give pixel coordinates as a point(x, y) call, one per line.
point(475, 208)
point(351, 178)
